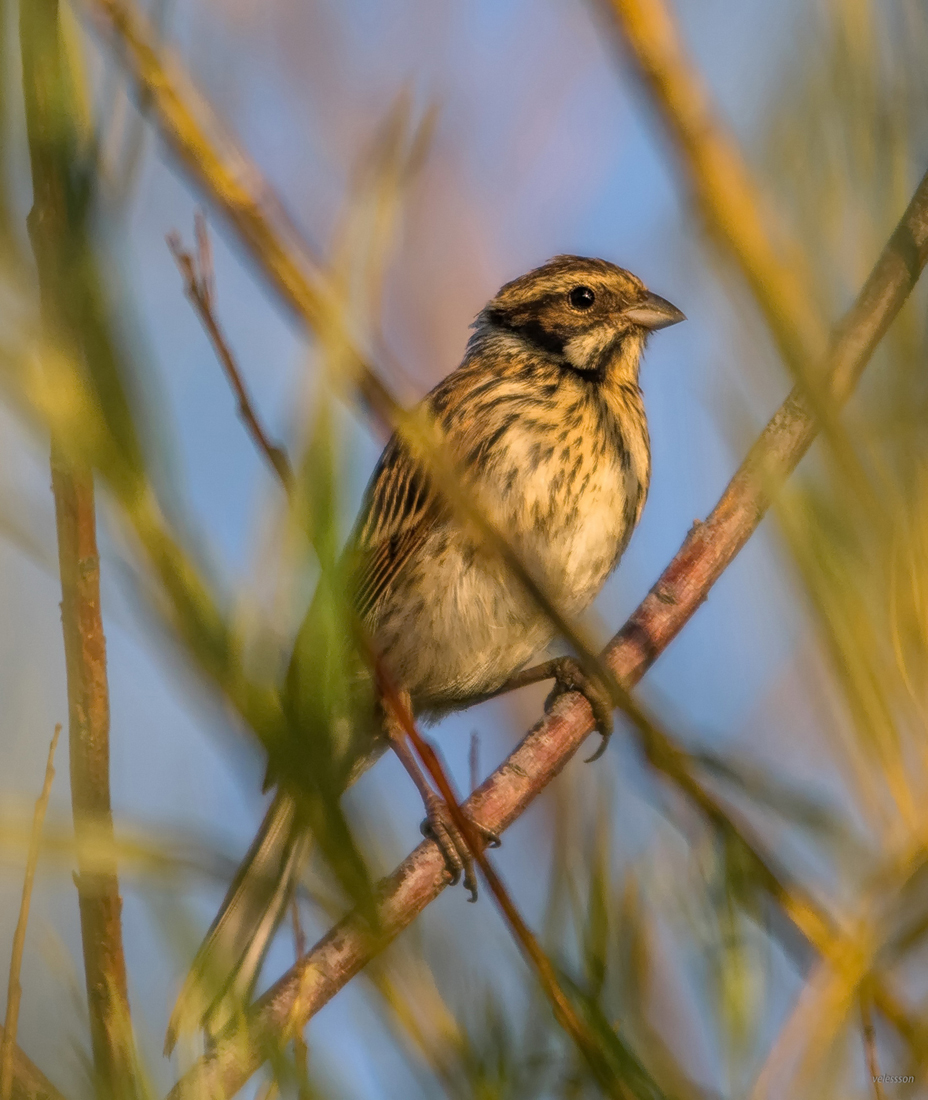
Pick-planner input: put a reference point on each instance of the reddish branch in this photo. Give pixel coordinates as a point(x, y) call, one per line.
point(59, 244)
point(564, 1011)
point(544, 752)
point(300, 1047)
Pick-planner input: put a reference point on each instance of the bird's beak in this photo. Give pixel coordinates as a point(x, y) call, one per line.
point(653, 312)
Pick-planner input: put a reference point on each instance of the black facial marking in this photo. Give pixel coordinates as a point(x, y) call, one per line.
point(529, 329)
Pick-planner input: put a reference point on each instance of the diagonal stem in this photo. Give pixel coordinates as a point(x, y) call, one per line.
point(564, 1011)
point(869, 1038)
point(733, 211)
point(196, 269)
point(725, 195)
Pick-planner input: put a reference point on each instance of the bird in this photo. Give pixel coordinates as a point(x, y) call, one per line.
point(544, 421)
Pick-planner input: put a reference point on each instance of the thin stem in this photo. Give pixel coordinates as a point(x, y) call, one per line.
point(88, 706)
point(212, 160)
point(58, 236)
point(199, 286)
point(869, 1037)
point(14, 990)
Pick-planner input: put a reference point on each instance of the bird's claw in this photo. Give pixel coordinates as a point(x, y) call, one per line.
point(570, 676)
point(440, 827)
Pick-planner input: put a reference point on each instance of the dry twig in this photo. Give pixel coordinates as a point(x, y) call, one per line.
point(14, 990)
point(199, 287)
point(88, 744)
point(235, 187)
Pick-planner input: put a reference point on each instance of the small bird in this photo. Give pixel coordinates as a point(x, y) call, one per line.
point(544, 418)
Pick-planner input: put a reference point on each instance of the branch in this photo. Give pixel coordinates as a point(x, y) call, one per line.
point(58, 238)
point(544, 752)
point(300, 1048)
point(564, 1011)
point(199, 287)
point(14, 989)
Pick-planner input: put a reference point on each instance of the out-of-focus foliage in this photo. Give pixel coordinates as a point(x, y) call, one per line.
point(670, 936)
point(847, 142)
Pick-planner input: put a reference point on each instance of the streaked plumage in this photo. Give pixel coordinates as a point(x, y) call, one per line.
point(545, 419)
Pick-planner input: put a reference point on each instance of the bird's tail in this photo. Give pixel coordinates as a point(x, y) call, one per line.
point(229, 960)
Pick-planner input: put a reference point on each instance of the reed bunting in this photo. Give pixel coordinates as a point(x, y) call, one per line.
point(545, 421)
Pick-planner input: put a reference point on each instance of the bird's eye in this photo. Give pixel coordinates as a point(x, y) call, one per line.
point(581, 297)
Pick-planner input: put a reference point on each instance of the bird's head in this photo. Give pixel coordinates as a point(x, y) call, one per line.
point(586, 313)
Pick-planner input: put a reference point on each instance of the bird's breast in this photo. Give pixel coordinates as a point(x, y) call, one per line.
point(565, 484)
point(569, 497)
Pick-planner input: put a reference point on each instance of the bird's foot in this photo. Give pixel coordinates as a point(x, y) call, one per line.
point(570, 676)
point(440, 827)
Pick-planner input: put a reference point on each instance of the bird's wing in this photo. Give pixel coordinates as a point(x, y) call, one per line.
point(399, 510)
